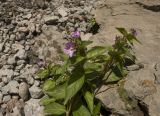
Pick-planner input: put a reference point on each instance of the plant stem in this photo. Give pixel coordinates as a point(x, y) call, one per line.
point(106, 69)
point(69, 108)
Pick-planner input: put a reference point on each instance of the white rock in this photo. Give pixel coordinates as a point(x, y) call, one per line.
point(13, 85)
point(11, 60)
point(63, 11)
point(6, 98)
point(33, 108)
point(35, 92)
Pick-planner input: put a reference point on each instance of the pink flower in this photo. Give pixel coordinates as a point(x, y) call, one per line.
point(76, 34)
point(69, 49)
point(133, 32)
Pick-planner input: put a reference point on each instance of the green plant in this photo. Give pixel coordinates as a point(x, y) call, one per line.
point(70, 88)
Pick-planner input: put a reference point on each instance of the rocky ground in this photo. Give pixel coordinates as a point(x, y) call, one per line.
point(33, 31)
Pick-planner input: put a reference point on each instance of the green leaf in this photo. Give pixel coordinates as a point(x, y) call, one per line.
point(131, 37)
point(61, 79)
point(92, 75)
point(96, 51)
point(86, 43)
point(88, 67)
point(77, 59)
point(57, 70)
point(57, 92)
point(96, 110)
point(64, 57)
point(46, 100)
point(75, 84)
point(43, 74)
point(122, 30)
point(80, 110)
point(116, 75)
point(89, 97)
point(55, 109)
point(113, 78)
point(48, 84)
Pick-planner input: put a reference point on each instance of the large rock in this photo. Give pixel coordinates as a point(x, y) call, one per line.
point(110, 99)
point(142, 84)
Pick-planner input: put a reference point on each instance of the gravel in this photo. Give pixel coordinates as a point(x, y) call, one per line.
point(21, 22)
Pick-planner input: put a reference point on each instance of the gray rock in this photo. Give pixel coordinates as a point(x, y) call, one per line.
point(27, 47)
point(48, 50)
point(21, 54)
point(33, 108)
point(5, 80)
point(11, 60)
point(24, 91)
point(86, 37)
point(6, 98)
point(20, 62)
point(19, 67)
point(143, 83)
point(16, 112)
point(135, 67)
point(157, 67)
point(5, 89)
point(32, 27)
point(35, 92)
point(28, 73)
point(37, 83)
point(12, 37)
point(13, 85)
point(28, 16)
point(112, 100)
point(1, 96)
point(3, 108)
point(2, 46)
point(152, 104)
point(20, 36)
point(1, 85)
point(51, 20)
point(63, 11)
point(16, 74)
point(157, 77)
